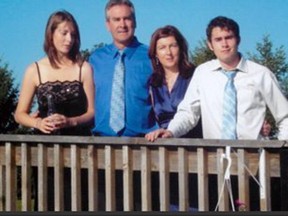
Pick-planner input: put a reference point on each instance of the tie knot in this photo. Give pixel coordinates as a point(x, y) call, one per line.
point(121, 53)
point(230, 74)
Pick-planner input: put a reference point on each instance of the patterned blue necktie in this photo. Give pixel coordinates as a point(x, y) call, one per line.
point(229, 108)
point(117, 105)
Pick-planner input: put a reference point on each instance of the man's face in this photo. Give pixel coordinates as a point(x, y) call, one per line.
point(121, 25)
point(224, 44)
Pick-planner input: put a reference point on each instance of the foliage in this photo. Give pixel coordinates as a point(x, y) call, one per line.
point(202, 53)
point(8, 100)
point(276, 61)
point(86, 53)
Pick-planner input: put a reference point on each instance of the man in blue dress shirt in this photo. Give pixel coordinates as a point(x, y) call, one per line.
point(139, 117)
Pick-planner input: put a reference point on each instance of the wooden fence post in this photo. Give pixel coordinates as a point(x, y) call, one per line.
point(284, 178)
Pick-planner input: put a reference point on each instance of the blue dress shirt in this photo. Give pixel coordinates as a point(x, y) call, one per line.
point(139, 115)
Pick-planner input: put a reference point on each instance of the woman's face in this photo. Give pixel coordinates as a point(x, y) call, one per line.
point(167, 51)
point(64, 37)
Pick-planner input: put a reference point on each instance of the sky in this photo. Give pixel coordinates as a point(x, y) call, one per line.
point(22, 23)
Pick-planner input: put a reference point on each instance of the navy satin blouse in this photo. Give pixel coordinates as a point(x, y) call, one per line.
point(165, 103)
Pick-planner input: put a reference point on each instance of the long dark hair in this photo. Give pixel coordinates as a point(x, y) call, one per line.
point(186, 68)
point(54, 20)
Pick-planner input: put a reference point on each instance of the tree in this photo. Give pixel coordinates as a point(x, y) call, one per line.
point(202, 53)
point(275, 60)
point(86, 53)
point(8, 100)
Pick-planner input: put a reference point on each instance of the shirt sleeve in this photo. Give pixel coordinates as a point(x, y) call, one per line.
point(188, 111)
point(277, 103)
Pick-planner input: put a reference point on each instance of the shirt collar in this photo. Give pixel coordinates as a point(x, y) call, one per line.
point(242, 65)
point(129, 50)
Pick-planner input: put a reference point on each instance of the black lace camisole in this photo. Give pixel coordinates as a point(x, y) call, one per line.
point(69, 99)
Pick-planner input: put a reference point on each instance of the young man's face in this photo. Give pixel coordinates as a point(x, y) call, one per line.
point(224, 44)
point(121, 25)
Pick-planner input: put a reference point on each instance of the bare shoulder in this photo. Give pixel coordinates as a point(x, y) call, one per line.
point(44, 63)
point(32, 70)
point(86, 66)
point(86, 69)
point(30, 76)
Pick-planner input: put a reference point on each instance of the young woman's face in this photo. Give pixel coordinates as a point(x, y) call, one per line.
point(167, 51)
point(64, 37)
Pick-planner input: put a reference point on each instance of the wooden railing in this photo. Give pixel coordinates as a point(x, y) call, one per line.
point(252, 161)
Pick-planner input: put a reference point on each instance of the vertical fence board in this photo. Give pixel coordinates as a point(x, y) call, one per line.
point(183, 179)
point(110, 178)
point(26, 177)
point(92, 178)
point(264, 170)
point(202, 169)
point(127, 179)
point(42, 177)
point(164, 179)
point(243, 179)
point(146, 179)
point(58, 178)
point(75, 178)
point(10, 177)
point(284, 178)
point(222, 192)
point(2, 187)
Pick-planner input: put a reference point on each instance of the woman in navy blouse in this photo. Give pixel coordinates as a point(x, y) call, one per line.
point(172, 72)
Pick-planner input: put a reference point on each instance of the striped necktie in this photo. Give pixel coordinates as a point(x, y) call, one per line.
point(117, 105)
point(229, 120)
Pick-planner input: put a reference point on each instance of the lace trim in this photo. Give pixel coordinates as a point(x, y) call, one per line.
point(59, 90)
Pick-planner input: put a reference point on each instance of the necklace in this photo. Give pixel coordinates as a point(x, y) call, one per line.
point(170, 80)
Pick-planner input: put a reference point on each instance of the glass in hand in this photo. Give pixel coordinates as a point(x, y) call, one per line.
point(51, 110)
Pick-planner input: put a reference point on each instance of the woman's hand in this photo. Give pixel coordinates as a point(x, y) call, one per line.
point(54, 122)
point(45, 125)
point(60, 121)
point(163, 133)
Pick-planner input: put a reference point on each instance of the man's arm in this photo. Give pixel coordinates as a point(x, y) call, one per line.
point(277, 103)
point(188, 111)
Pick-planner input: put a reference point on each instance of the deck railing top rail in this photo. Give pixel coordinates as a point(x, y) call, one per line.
point(177, 142)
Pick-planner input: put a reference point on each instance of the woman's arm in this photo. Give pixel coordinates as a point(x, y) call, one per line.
point(27, 93)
